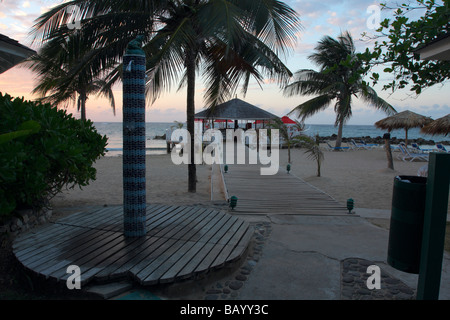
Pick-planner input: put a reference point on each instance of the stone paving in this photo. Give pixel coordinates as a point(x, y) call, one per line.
point(354, 283)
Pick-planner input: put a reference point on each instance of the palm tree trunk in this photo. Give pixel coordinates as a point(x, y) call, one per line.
point(190, 113)
point(83, 99)
point(339, 135)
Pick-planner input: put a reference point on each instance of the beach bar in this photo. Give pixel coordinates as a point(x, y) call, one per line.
point(235, 110)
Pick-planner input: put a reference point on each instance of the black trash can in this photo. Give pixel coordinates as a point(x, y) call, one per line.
point(407, 215)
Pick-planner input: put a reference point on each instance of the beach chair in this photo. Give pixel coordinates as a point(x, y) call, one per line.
point(441, 147)
point(359, 146)
point(368, 145)
point(337, 148)
point(417, 148)
point(406, 155)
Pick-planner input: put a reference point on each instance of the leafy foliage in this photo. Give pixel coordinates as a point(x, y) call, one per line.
point(399, 38)
point(42, 151)
point(63, 75)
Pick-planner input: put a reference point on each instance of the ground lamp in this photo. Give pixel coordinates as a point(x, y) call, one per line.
point(350, 205)
point(134, 191)
point(288, 167)
point(233, 202)
point(225, 168)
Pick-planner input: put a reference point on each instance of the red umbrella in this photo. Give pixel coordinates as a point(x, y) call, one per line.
point(287, 120)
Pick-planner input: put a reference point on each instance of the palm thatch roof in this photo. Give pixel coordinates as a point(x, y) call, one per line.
point(236, 109)
point(403, 120)
point(438, 126)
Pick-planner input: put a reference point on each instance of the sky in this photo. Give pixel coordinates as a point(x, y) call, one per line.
point(318, 19)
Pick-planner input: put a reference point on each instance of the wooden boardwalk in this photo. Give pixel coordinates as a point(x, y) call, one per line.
point(181, 242)
point(282, 193)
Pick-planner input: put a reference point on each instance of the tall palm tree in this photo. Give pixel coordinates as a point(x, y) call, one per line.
point(60, 81)
point(339, 79)
point(228, 41)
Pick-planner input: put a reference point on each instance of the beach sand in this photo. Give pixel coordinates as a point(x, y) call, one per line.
point(360, 174)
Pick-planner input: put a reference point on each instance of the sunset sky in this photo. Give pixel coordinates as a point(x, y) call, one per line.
point(319, 18)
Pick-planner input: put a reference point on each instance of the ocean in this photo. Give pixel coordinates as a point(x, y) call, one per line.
point(113, 130)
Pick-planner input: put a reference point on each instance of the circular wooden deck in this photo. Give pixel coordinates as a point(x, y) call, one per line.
point(181, 242)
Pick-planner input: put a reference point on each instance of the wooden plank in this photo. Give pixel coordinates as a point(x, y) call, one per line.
point(133, 249)
point(61, 232)
point(179, 253)
point(217, 247)
point(74, 252)
point(110, 259)
point(167, 249)
point(231, 245)
point(155, 241)
point(239, 250)
point(153, 277)
point(42, 235)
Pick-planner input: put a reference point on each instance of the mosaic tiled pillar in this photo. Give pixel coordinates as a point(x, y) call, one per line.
point(134, 198)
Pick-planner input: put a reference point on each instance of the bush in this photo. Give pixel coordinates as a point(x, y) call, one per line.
point(42, 151)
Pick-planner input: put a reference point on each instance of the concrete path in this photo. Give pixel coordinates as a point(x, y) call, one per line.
point(302, 258)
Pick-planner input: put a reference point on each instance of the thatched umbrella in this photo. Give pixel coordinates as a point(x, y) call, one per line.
point(438, 126)
point(403, 120)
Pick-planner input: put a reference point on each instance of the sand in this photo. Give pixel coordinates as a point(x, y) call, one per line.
point(358, 174)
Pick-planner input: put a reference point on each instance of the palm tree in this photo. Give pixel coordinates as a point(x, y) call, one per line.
point(227, 41)
point(283, 130)
point(313, 151)
point(339, 79)
point(54, 65)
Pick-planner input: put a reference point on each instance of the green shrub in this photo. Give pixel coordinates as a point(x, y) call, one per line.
point(42, 151)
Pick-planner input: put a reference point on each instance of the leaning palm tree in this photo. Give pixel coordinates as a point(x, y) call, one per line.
point(54, 65)
point(228, 41)
point(339, 79)
point(313, 151)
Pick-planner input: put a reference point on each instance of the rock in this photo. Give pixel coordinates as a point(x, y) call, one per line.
point(236, 285)
point(241, 277)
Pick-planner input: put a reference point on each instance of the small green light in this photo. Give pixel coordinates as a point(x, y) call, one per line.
point(350, 205)
point(225, 168)
point(288, 168)
point(233, 202)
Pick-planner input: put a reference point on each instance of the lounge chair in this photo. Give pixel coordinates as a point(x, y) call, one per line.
point(419, 149)
point(406, 155)
point(441, 148)
point(337, 148)
point(360, 145)
point(368, 145)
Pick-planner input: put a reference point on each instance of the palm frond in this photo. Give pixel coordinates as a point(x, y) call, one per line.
point(311, 107)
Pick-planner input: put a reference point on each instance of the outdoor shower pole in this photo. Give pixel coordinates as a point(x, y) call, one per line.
point(134, 197)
